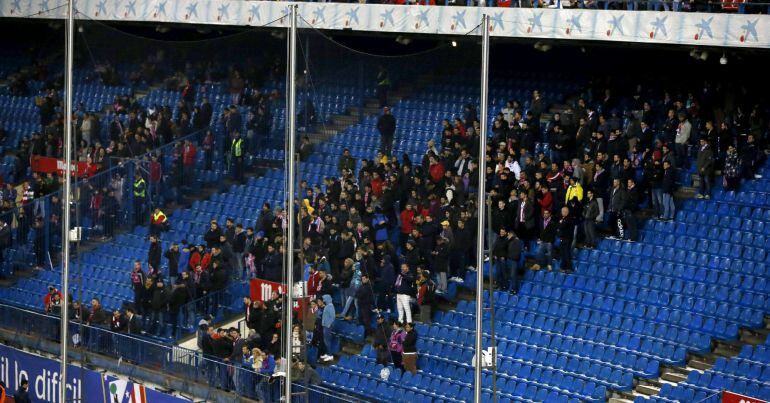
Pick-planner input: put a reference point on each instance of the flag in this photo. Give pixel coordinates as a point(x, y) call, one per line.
point(117, 390)
point(137, 394)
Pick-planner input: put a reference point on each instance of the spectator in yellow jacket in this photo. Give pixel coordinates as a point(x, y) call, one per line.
point(574, 190)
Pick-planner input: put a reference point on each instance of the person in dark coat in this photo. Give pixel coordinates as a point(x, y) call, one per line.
point(409, 355)
point(618, 202)
point(632, 205)
point(365, 299)
point(172, 256)
point(117, 322)
point(158, 303)
point(22, 394)
point(499, 257)
point(218, 276)
point(668, 186)
point(133, 324)
point(236, 355)
point(271, 264)
point(380, 342)
point(705, 165)
point(384, 285)
point(440, 264)
point(154, 255)
point(566, 235)
point(513, 256)
point(212, 235)
point(386, 125)
point(525, 218)
point(548, 228)
point(97, 316)
point(180, 295)
point(590, 217)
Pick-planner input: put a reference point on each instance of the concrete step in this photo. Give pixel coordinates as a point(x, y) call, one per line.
point(685, 192)
point(647, 389)
point(344, 119)
point(726, 349)
point(673, 376)
point(700, 363)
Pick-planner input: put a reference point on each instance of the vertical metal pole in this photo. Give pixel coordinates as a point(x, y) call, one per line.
point(481, 201)
point(290, 154)
point(66, 199)
point(491, 310)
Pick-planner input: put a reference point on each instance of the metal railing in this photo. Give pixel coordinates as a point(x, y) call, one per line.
point(209, 304)
point(190, 365)
point(35, 228)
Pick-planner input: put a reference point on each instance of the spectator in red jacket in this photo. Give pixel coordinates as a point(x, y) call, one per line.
point(406, 223)
point(544, 197)
point(156, 172)
point(436, 170)
point(47, 300)
point(195, 257)
point(313, 280)
point(376, 184)
point(188, 161)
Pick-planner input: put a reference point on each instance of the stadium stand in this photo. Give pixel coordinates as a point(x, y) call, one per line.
point(573, 320)
point(747, 374)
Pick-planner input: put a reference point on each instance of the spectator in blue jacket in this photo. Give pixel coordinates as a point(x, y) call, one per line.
point(380, 225)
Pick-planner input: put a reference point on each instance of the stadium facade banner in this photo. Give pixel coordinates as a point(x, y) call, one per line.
point(703, 29)
point(730, 397)
point(84, 385)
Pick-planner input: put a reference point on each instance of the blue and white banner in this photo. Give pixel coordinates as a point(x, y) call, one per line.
point(707, 29)
point(83, 385)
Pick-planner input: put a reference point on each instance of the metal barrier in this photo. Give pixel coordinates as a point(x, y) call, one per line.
point(34, 229)
point(121, 197)
point(188, 364)
point(192, 311)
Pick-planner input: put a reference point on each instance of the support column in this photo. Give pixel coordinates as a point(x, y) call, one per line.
point(291, 103)
point(481, 203)
point(66, 199)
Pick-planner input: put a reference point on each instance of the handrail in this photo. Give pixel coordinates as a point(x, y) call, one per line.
point(174, 360)
point(47, 237)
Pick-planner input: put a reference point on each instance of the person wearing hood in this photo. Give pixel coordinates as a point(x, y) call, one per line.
point(380, 225)
point(327, 320)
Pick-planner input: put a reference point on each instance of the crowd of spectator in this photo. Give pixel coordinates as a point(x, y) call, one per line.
point(391, 234)
point(382, 242)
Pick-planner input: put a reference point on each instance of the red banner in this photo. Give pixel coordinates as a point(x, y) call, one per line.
point(730, 397)
point(49, 164)
point(262, 290)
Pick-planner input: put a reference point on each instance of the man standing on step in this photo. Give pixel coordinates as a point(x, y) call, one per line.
point(705, 165)
point(236, 151)
point(140, 195)
point(618, 201)
point(386, 125)
point(383, 83)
